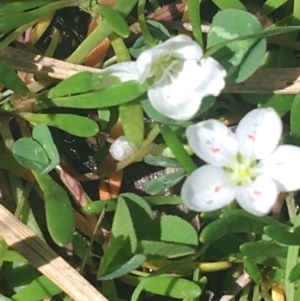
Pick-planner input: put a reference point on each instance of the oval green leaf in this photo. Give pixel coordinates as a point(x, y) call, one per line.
point(295, 273)
point(21, 6)
point(132, 118)
point(240, 58)
point(283, 235)
point(76, 125)
point(114, 19)
point(157, 185)
point(79, 83)
point(30, 154)
point(59, 211)
point(263, 248)
point(169, 286)
point(42, 134)
point(111, 96)
point(252, 269)
point(176, 229)
point(164, 249)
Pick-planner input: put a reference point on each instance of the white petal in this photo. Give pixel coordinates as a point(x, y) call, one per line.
point(178, 47)
point(118, 73)
point(213, 142)
point(211, 78)
point(120, 149)
point(284, 167)
point(208, 188)
point(258, 133)
point(259, 198)
point(177, 97)
point(183, 47)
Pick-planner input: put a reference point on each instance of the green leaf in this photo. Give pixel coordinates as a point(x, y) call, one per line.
point(76, 125)
point(30, 154)
point(164, 249)
point(270, 5)
point(123, 224)
point(131, 264)
point(8, 22)
point(132, 118)
point(263, 248)
point(295, 273)
point(164, 182)
point(283, 235)
point(59, 212)
point(20, 6)
point(111, 96)
point(277, 275)
point(114, 20)
point(11, 80)
point(252, 269)
point(226, 4)
point(42, 134)
point(281, 103)
point(169, 286)
point(161, 161)
point(295, 113)
point(235, 221)
point(141, 215)
point(13, 256)
point(38, 289)
point(239, 58)
point(175, 229)
point(79, 83)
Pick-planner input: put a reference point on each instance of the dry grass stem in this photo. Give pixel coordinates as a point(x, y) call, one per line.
point(40, 255)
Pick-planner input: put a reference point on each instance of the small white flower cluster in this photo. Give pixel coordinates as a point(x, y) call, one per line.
point(247, 166)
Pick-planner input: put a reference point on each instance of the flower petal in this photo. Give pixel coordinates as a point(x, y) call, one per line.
point(212, 77)
point(259, 198)
point(120, 148)
point(179, 47)
point(284, 167)
point(177, 97)
point(213, 142)
point(118, 73)
point(258, 133)
point(208, 188)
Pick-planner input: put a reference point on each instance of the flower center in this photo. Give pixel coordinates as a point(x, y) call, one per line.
point(165, 68)
point(243, 172)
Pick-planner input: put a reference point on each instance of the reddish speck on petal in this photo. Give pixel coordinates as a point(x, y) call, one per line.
point(250, 136)
point(256, 192)
point(217, 189)
point(215, 150)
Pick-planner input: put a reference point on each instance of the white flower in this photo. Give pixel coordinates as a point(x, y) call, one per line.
point(120, 148)
point(181, 79)
point(247, 166)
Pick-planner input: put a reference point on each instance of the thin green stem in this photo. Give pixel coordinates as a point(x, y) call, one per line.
point(195, 19)
point(120, 48)
point(143, 24)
